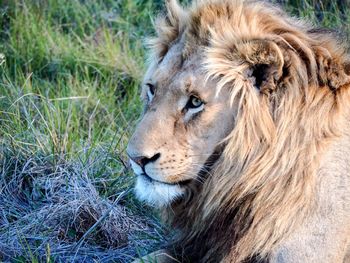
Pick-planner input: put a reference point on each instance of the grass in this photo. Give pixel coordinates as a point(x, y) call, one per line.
point(69, 80)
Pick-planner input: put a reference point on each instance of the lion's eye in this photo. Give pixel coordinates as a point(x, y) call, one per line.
point(194, 102)
point(150, 87)
point(150, 91)
point(193, 107)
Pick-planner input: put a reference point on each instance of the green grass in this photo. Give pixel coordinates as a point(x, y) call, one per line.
point(69, 80)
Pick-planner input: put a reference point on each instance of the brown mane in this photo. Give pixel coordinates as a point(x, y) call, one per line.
point(263, 185)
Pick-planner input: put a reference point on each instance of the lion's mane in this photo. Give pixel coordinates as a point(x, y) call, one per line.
point(263, 185)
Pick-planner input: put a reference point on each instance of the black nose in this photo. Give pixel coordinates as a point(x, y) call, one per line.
point(143, 160)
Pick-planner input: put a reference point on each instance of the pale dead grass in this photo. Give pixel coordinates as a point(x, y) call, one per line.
point(54, 212)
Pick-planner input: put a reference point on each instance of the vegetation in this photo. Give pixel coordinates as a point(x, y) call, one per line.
point(69, 80)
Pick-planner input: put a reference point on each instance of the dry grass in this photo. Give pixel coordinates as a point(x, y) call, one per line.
point(54, 212)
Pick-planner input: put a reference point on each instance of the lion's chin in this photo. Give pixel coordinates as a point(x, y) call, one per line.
point(155, 193)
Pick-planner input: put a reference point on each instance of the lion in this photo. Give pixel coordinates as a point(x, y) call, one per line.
point(244, 140)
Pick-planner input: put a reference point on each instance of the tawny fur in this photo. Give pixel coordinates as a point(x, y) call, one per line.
point(267, 182)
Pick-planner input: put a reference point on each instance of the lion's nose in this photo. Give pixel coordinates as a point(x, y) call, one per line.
point(143, 160)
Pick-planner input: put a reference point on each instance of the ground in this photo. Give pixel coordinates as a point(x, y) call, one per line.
point(69, 80)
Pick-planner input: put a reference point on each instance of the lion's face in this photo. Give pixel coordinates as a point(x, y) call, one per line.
point(182, 126)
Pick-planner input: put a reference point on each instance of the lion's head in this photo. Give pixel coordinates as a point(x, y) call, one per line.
point(240, 102)
point(183, 123)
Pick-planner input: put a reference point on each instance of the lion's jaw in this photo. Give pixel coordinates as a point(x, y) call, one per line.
point(176, 141)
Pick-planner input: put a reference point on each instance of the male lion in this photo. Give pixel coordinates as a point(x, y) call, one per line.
point(244, 142)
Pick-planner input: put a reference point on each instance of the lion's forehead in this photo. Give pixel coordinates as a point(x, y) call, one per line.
point(174, 67)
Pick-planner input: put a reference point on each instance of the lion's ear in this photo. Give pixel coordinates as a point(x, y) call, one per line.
point(174, 12)
point(265, 59)
point(168, 28)
point(347, 67)
point(332, 70)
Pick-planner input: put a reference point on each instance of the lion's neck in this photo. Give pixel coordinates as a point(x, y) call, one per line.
point(208, 241)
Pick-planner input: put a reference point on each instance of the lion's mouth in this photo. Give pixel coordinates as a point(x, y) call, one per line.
point(150, 179)
point(203, 173)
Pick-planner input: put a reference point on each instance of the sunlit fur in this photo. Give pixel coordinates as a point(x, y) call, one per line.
point(156, 194)
point(264, 185)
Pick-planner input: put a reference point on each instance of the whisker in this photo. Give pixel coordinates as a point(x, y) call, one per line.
point(207, 154)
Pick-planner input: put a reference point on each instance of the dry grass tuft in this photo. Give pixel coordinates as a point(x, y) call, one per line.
point(53, 212)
